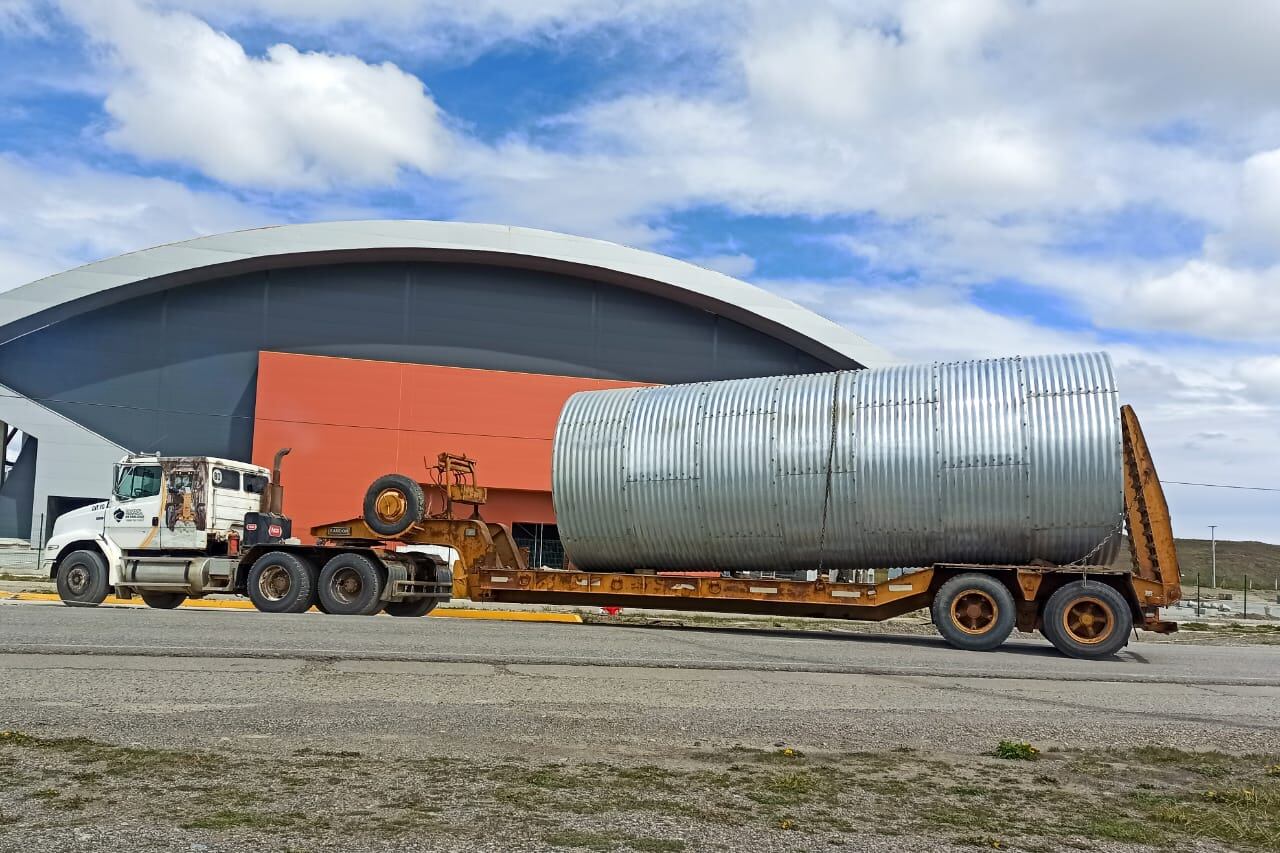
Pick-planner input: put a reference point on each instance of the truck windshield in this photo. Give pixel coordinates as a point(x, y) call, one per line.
point(139, 481)
point(255, 483)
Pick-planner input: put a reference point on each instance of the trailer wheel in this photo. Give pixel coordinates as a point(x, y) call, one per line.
point(351, 585)
point(281, 582)
point(974, 612)
point(163, 600)
point(393, 504)
point(412, 607)
point(1087, 619)
point(83, 580)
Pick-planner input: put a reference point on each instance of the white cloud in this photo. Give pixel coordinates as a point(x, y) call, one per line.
point(1211, 300)
point(445, 27)
point(185, 93)
point(20, 16)
point(1261, 377)
point(1253, 233)
point(57, 216)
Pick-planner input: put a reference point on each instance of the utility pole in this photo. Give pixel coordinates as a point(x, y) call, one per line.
point(1213, 553)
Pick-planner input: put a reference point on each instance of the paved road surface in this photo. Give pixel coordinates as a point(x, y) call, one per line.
point(439, 686)
point(26, 627)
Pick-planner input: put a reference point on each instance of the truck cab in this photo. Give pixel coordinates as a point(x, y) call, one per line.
point(188, 526)
point(162, 513)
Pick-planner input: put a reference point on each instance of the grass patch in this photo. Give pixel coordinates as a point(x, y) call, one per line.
point(1211, 765)
point(1012, 750)
point(1121, 829)
point(1236, 816)
point(115, 760)
point(967, 817)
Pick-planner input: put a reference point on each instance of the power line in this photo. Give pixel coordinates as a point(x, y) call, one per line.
point(1219, 486)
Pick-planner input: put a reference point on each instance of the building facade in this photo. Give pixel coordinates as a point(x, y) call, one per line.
point(366, 346)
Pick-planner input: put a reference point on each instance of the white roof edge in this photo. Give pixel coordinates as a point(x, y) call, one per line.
point(746, 303)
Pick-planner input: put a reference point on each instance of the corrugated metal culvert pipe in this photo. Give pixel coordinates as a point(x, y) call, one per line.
point(1001, 461)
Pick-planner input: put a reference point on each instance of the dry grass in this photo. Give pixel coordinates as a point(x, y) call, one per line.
point(777, 799)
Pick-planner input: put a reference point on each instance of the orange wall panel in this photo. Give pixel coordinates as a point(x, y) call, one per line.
point(352, 420)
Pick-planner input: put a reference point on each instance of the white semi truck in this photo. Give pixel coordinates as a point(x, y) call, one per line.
point(184, 527)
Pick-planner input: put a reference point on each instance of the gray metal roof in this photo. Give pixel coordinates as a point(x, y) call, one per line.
point(203, 258)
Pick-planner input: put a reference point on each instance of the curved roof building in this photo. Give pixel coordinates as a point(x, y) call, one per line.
point(364, 345)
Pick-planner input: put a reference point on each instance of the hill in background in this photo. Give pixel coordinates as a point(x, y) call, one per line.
point(1258, 560)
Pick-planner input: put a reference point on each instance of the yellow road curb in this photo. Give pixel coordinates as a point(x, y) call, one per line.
point(506, 615)
point(224, 604)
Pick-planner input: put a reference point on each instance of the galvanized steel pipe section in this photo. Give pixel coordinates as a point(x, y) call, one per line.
point(995, 461)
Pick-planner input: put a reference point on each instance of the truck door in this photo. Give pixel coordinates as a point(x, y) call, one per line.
point(133, 514)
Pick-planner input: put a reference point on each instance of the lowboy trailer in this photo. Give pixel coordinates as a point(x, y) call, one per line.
point(1085, 611)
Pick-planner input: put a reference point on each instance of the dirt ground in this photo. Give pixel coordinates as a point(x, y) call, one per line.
point(79, 794)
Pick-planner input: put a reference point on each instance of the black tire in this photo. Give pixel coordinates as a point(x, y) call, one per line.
point(319, 605)
point(393, 504)
point(974, 612)
point(1088, 620)
point(281, 582)
point(163, 600)
point(412, 607)
point(83, 579)
point(351, 585)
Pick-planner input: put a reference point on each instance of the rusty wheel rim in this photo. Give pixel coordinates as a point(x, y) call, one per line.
point(274, 583)
point(390, 505)
point(974, 611)
point(1088, 620)
point(346, 585)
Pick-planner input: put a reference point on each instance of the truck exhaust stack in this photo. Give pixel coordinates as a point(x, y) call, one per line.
point(273, 495)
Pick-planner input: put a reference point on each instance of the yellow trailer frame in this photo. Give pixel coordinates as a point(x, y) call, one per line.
point(491, 567)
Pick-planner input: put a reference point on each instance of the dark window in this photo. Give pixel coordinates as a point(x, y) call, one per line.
point(255, 484)
point(225, 478)
point(542, 542)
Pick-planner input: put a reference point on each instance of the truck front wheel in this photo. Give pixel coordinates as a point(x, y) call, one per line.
point(974, 612)
point(280, 582)
point(83, 579)
point(1087, 619)
point(351, 585)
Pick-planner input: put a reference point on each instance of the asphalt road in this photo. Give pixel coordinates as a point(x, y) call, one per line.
point(257, 681)
point(53, 628)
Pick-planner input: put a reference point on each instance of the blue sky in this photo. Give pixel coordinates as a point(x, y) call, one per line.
point(948, 179)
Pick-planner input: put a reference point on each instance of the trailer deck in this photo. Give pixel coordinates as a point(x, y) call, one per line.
point(491, 567)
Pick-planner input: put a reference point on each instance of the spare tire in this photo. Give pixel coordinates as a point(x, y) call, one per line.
point(393, 504)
